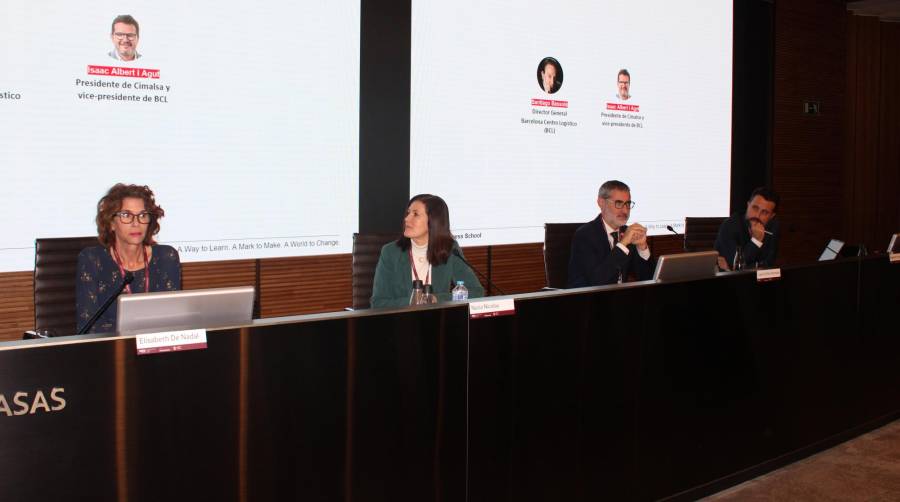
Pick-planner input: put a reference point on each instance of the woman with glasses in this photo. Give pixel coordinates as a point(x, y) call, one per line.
point(127, 219)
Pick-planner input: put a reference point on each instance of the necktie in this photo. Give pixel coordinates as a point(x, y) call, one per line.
point(615, 237)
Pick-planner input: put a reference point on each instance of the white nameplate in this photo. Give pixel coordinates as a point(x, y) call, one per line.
point(895, 257)
point(768, 274)
point(492, 308)
point(171, 341)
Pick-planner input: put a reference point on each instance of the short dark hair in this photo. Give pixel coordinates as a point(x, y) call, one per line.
point(111, 203)
point(766, 193)
point(125, 19)
point(542, 67)
point(440, 239)
point(611, 185)
point(623, 71)
point(550, 61)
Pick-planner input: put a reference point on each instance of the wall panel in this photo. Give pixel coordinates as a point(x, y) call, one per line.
point(872, 150)
point(810, 65)
point(16, 304)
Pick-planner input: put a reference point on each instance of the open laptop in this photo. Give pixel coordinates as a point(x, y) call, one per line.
point(177, 310)
point(832, 250)
point(676, 267)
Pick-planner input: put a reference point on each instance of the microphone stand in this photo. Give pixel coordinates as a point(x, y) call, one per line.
point(683, 238)
point(93, 320)
point(490, 282)
point(861, 252)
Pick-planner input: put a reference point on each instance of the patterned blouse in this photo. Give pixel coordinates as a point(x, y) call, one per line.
point(98, 277)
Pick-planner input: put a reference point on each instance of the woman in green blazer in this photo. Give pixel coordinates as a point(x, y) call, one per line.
point(426, 252)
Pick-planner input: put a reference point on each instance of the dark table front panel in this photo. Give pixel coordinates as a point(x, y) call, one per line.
point(649, 391)
point(349, 408)
point(638, 392)
point(58, 454)
point(552, 398)
point(374, 413)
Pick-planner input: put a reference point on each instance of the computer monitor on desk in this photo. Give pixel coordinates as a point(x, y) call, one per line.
point(176, 310)
point(677, 267)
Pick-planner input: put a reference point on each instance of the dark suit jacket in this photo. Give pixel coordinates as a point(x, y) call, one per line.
point(735, 231)
point(593, 263)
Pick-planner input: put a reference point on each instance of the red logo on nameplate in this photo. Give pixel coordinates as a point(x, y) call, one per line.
point(492, 308)
point(121, 71)
point(619, 107)
point(549, 102)
point(170, 341)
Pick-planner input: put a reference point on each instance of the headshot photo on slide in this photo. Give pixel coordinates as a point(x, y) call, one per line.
point(623, 85)
point(125, 34)
point(549, 75)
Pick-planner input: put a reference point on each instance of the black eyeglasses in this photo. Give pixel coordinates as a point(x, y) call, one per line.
point(127, 217)
point(129, 36)
point(620, 203)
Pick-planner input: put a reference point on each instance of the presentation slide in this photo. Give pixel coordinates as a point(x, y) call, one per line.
point(242, 117)
point(522, 109)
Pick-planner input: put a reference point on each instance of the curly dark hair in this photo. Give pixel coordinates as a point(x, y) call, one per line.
point(111, 203)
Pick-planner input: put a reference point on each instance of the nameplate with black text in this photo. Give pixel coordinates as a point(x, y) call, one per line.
point(492, 308)
point(768, 274)
point(170, 341)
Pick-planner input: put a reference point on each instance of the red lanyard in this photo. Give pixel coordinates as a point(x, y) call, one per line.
point(146, 269)
point(415, 273)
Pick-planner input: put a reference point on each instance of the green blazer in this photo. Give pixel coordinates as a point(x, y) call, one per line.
point(393, 278)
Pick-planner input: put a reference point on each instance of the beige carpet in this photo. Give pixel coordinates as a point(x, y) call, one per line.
point(866, 468)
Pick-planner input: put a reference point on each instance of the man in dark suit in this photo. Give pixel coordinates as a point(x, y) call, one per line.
point(755, 233)
point(605, 250)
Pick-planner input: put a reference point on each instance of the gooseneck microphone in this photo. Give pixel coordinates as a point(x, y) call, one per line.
point(684, 238)
point(490, 282)
point(103, 308)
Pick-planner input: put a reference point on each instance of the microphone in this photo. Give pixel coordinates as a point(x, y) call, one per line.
point(684, 244)
point(490, 282)
point(93, 320)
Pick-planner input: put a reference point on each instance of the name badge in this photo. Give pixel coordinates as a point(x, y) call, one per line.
point(768, 274)
point(492, 308)
point(170, 341)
